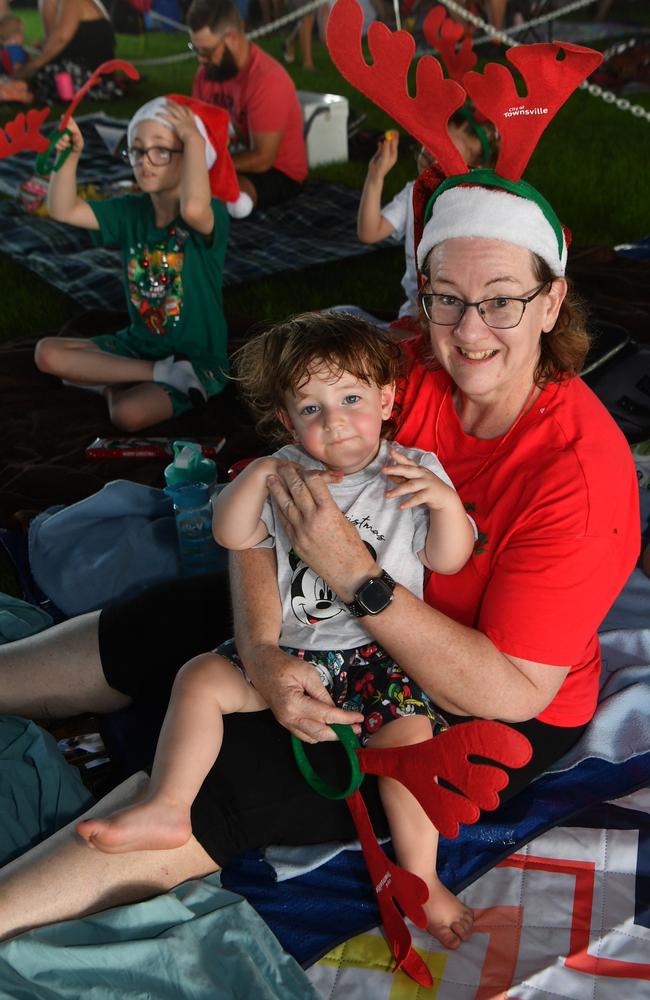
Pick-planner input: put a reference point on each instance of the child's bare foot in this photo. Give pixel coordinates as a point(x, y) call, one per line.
point(154, 824)
point(449, 920)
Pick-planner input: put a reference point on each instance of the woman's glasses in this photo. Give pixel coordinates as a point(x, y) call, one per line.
point(158, 156)
point(503, 312)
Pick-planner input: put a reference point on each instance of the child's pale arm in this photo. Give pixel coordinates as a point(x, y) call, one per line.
point(196, 197)
point(237, 510)
point(450, 537)
point(62, 201)
point(371, 224)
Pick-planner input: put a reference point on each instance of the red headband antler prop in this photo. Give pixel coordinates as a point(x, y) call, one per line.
point(23, 134)
point(469, 787)
point(552, 71)
point(424, 116)
point(444, 34)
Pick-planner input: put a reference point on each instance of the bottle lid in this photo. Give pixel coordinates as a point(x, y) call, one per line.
point(189, 465)
point(188, 495)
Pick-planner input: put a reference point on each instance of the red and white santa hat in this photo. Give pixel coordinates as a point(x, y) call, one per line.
point(212, 123)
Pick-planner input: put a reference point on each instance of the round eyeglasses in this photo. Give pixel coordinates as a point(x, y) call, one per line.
point(158, 156)
point(503, 312)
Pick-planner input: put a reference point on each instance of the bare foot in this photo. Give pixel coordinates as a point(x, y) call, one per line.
point(449, 920)
point(154, 824)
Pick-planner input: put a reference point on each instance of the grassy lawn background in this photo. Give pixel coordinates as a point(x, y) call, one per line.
point(592, 164)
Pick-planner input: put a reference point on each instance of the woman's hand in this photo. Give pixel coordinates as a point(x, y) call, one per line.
point(296, 695)
point(320, 534)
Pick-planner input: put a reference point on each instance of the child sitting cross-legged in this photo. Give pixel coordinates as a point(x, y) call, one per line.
point(327, 383)
point(172, 237)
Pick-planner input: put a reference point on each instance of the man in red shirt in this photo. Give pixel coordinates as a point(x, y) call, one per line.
point(260, 96)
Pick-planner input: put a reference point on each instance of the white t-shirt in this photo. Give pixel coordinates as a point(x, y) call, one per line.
point(312, 615)
point(399, 213)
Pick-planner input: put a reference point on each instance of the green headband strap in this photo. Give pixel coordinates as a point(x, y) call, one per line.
point(350, 744)
point(484, 177)
point(479, 131)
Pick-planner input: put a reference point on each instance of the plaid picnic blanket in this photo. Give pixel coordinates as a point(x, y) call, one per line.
point(317, 226)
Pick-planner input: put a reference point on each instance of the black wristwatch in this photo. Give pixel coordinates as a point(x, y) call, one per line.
point(373, 596)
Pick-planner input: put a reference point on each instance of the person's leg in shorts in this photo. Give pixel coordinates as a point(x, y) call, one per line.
point(269, 188)
point(138, 389)
point(206, 688)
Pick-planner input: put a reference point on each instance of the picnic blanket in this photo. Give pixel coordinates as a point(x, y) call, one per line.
point(317, 226)
point(45, 428)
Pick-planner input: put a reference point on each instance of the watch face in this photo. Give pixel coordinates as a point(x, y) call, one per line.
point(375, 595)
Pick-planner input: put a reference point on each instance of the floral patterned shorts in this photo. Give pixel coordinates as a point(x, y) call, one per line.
point(365, 680)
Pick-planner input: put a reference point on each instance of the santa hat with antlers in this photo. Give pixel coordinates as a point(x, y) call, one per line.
point(212, 122)
point(494, 204)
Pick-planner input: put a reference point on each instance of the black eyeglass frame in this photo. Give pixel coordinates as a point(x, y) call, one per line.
point(141, 153)
point(523, 299)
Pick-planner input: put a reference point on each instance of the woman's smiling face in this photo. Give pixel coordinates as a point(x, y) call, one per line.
point(482, 361)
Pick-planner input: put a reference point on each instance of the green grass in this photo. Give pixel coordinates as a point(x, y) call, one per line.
point(592, 165)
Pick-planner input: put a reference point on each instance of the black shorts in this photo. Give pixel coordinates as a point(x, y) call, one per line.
point(254, 795)
point(273, 187)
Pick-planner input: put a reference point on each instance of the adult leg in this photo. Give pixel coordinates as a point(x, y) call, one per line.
point(305, 29)
point(206, 689)
point(102, 660)
point(57, 673)
point(415, 839)
point(60, 878)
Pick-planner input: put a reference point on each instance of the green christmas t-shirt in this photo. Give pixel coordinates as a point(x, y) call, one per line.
point(173, 280)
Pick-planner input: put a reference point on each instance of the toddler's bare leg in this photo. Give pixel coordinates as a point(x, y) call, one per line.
point(206, 689)
point(61, 878)
point(415, 839)
point(57, 673)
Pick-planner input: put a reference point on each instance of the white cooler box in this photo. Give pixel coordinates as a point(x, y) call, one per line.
point(325, 118)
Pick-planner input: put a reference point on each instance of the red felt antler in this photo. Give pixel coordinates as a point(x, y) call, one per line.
point(552, 72)
point(447, 756)
point(444, 34)
point(110, 66)
point(392, 885)
point(23, 134)
point(424, 116)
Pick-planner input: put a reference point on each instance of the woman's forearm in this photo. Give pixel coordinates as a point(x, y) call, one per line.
point(257, 610)
point(459, 667)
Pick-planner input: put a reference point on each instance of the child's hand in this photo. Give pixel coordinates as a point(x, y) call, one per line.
point(75, 139)
point(386, 156)
point(419, 484)
point(181, 119)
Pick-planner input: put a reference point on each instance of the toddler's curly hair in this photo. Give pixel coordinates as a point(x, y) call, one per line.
point(280, 360)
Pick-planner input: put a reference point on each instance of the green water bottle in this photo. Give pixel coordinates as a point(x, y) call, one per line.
point(189, 466)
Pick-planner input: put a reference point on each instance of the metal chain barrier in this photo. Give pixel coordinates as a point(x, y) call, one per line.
point(591, 88)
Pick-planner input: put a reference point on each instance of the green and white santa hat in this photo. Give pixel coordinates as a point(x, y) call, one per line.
point(449, 200)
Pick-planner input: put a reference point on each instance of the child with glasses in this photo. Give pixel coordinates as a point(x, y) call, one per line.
point(326, 383)
point(395, 219)
point(172, 237)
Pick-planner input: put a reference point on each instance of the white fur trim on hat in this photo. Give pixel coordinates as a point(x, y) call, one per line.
point(151, 112)
point(492, 214)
